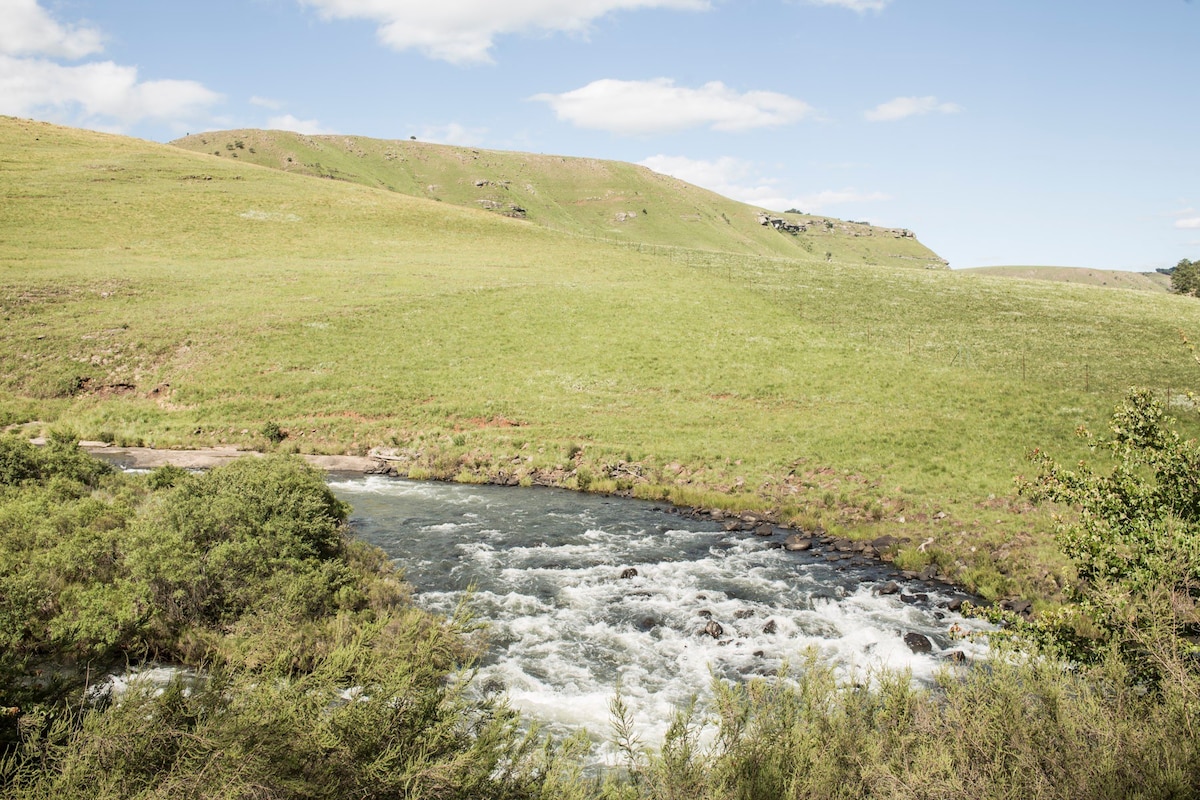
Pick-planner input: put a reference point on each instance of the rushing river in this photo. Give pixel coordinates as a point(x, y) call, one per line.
point(546, 570)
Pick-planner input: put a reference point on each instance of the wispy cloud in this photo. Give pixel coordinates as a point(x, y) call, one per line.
point(463, 31)
point(97, 94)
point(1189, 223)
point(903, 107)
point(453, 133)
point(659, 106)
point(288, 122)
point(743, 180)
point(266, 102)
point(854, 5)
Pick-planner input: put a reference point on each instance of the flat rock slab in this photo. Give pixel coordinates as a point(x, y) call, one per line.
point(206, 458)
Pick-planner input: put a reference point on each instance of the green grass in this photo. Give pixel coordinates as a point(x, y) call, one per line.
point(1114, 279)
point(609, 200)
point(148, 293)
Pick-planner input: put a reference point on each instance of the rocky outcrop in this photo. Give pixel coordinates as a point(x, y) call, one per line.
point(780, 224)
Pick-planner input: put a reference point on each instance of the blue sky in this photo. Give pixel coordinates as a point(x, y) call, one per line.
point(1053, 132)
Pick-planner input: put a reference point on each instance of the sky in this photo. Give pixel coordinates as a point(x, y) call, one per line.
point(1002, 132)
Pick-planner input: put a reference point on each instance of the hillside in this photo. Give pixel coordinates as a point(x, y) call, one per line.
point(605, 199)
point(1111, 278)
point(155, 295)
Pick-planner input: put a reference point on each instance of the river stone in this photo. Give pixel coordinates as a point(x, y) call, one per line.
point(795, 542)
point(743, 613)
point(628, 572)
point(714, 629)
point(956, 657)
point(764, 530)
point(884, 542)
point(770, 627)
point(704, 612)
point(891, 587)
point(647, 624)
point(955, 605)
point(918, 643)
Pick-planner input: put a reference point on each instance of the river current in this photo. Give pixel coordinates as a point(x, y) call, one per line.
point(551, 573)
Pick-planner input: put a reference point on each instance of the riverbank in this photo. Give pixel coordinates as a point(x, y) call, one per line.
point(209, 457)
point(840, 551)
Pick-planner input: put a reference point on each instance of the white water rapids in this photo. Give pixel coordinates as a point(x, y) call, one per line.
point(564, 626)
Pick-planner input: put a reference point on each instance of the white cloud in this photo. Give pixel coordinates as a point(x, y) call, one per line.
point(1192, 223)
point(453, 133)
point(94, 91)
point(266, 102)
point(903, 107)
point(96, 94)
point(659, 106)
point(741, 180)
point(28, 31)
point(463, 31)
point(854, 5)
point(287, 122)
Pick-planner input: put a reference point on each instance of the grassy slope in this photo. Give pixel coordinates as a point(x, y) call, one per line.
point(199, 297)
point(605, 199)
point(1113, 279)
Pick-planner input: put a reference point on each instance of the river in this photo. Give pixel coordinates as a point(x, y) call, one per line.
point(545, 571)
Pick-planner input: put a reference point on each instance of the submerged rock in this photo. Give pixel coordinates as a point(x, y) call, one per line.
point(714, 629)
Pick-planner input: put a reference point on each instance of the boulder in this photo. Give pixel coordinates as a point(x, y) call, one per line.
point(796, 543)
point(628, 572)
point(764, 530)
point(891, 587)
point(956, 657)
point(770, 627)
point(714, 629)
point(884, 542)
point(918, 643)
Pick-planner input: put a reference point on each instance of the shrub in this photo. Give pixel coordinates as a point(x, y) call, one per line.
point(273, 432)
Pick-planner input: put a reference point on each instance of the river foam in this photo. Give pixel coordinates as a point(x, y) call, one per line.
point(565, 627)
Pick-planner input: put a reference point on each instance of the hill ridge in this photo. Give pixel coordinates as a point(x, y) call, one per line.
point(606, 199)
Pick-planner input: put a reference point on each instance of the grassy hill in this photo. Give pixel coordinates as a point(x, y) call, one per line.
point(151, 294)
point(604, 199)
point(1111, 278)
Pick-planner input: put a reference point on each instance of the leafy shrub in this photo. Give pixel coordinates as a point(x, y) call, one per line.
point(273, 432)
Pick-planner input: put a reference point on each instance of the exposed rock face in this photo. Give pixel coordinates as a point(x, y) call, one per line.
point(780, 224)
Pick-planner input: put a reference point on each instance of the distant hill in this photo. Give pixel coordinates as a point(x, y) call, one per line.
point(584, 196)
point(1114, 279)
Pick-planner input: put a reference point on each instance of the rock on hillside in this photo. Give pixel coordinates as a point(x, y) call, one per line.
point(605, 199)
